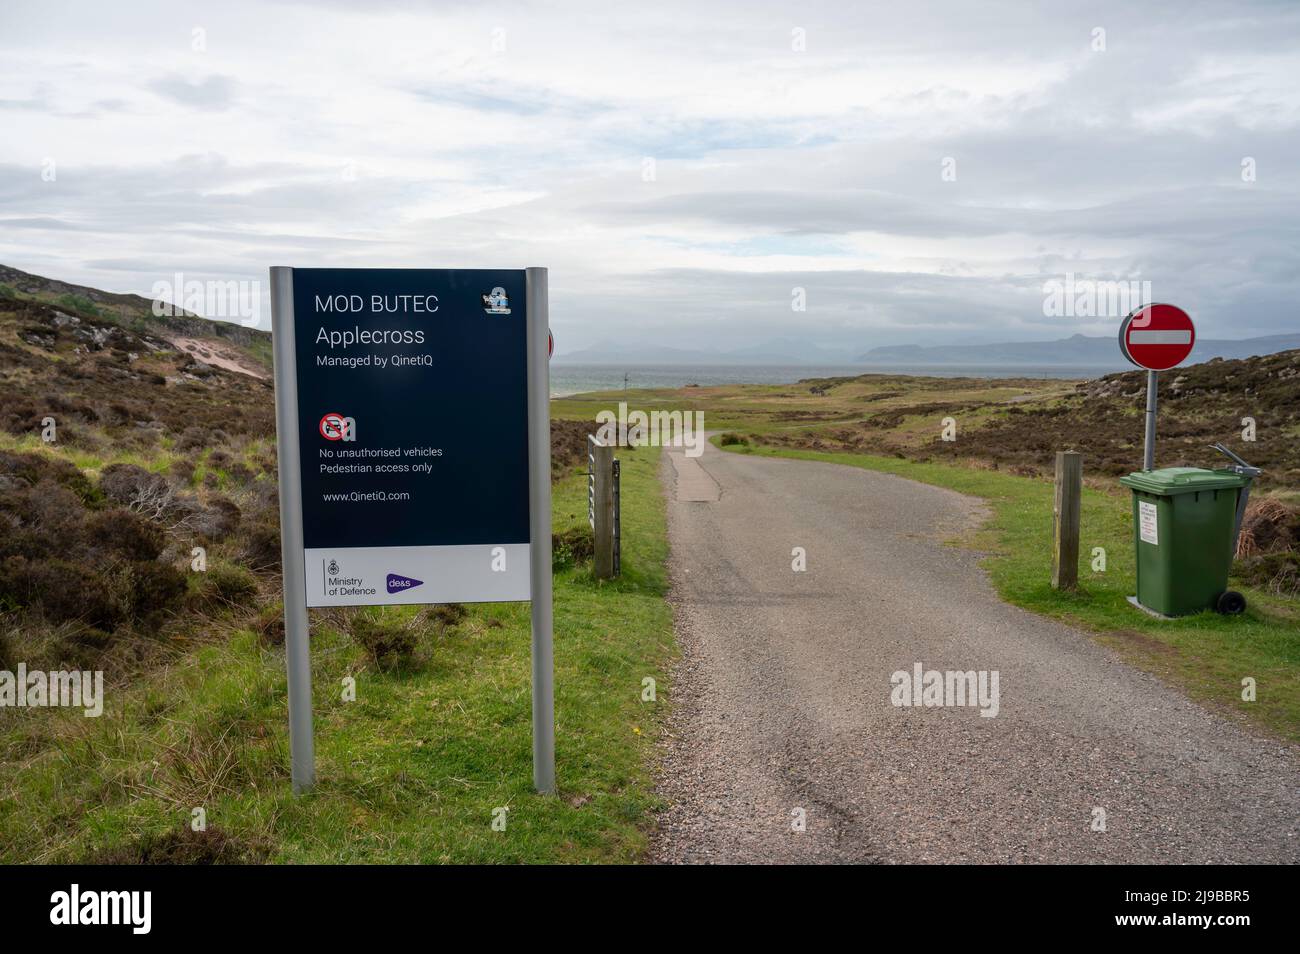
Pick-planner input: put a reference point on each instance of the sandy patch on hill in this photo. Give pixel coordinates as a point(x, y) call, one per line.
point(219, 356)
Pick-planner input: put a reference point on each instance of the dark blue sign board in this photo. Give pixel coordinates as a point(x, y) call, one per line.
point(413, 429)
point(412, 393)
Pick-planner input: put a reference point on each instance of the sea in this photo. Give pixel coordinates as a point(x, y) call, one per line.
point(580, 378)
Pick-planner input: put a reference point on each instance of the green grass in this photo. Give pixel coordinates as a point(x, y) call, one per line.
point(1206, 654)
point(260, 349)
point(409, 772)
point(89, 462)
point(775, 408)
point(80, 304)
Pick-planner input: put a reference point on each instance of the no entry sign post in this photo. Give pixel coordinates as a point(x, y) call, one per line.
point(1156, 337)
point(413, 427)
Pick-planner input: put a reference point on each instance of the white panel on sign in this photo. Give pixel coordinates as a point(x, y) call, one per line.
point(367, 576)
point(1159, 337)
point(1148, 524)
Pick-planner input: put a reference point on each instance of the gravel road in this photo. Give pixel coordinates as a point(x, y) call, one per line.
point(782, 699)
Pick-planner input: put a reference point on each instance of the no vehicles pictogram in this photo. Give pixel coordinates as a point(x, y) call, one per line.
point(333, 426)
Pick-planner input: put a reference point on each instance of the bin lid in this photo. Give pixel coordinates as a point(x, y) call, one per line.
point(1182, 480)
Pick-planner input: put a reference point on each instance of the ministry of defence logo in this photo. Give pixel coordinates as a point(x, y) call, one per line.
point(496, 302)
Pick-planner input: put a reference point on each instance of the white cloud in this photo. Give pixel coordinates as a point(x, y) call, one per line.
point(399, 135)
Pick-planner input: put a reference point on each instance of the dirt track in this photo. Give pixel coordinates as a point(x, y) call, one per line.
point(782, 699)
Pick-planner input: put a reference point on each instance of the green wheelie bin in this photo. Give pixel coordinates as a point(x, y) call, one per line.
point(1185, 525)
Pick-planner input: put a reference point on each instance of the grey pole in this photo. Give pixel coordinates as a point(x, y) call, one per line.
point(539, 507)
point(297, 656)
point(1149, 453)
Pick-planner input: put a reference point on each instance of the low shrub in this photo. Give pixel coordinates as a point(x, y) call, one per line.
point(572, 546)
point(131, 484)
point(265, 462)
point(258, 535)
point(184, 846)
point(80, 304)
point(1269, 526)
point(72, 563)
point(391, 641)
point(568, 444)
point(31, 469)
point(239, 474)
point(227, 584)
point(214, 520)
point(731, 437)
point(269, 625)
point(124, 533)
point(84, 646)
point(156, 588)
point(259, 544)
point(45, 645)
point(446, 615)
point(1277, 572)
point(42, 520)
point(64, 591)
point(193, 438)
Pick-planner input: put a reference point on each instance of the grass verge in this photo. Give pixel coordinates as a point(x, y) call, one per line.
point(410, 772)
point(1208, 655)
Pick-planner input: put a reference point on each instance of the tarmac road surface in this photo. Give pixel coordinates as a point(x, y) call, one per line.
point(782, 699)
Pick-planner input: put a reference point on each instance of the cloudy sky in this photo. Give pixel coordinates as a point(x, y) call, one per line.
point(920, 169)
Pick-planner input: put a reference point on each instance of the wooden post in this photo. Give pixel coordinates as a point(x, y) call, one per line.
point(1069, 493)
point(602, 469)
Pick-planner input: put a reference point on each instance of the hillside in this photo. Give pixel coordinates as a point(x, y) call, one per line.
point(219, 343)
point(151, 451)
point(1199, 405)
point(1077, 351)
point(1019, 423)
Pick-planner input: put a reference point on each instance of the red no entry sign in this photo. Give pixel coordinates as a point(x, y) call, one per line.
point(1157, 337)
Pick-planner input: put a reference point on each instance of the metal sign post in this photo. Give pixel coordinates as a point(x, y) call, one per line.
point(381, 506)
point(539, 500)
point(1156, 337)
point(1149, 442)
point(297, 643)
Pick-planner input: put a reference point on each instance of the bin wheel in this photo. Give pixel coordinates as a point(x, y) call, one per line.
point(1231, 603)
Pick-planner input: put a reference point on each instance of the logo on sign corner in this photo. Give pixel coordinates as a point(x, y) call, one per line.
point(398, 583)
point(495, 302)
point(333, 567)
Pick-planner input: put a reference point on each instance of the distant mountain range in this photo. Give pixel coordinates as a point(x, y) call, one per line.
point(1075, 351)
point(777, 351)
point(1078, 351)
